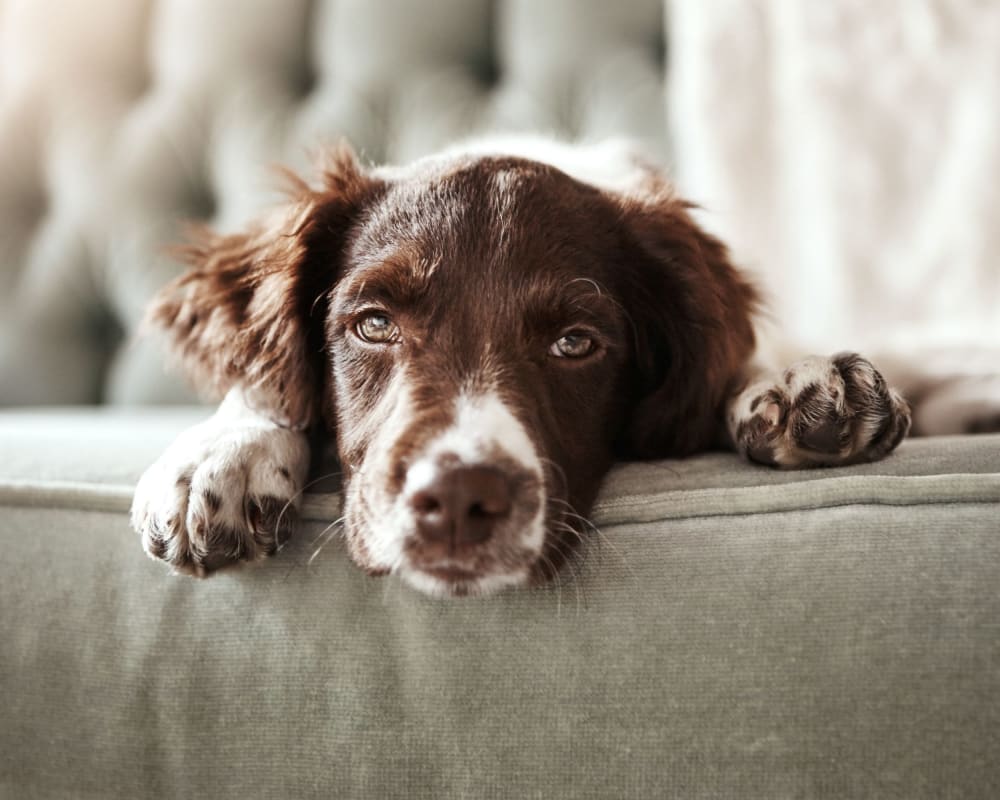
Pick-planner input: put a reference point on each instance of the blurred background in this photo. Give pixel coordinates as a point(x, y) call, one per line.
point(849, 151)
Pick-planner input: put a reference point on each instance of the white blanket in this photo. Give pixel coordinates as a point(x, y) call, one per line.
point(850, 153)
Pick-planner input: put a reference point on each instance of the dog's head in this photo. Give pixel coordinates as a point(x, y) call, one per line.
point(484, 335)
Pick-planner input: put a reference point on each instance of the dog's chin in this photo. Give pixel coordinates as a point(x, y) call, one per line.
point(449, 581)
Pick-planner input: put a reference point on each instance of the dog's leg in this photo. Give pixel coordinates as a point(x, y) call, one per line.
point(226, 491)
point(818, 412)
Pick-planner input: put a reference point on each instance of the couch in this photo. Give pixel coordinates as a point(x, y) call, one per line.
point(729, 631)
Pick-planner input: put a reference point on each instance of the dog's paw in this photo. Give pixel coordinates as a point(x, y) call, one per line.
point(222, 493)
point(821, 412)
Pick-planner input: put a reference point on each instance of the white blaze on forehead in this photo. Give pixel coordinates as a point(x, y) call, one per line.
point(419, 476)
point(483, 424)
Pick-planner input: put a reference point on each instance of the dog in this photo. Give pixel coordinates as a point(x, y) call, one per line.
point(482, 333)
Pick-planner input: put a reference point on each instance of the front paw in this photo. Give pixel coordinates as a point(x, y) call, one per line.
point(221, 495)
point(823, 411)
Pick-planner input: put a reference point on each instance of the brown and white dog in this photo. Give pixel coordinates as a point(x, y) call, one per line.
point(483, 332)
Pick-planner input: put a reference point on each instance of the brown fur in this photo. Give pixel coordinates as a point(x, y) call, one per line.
point(247, 312)
point(694, 314)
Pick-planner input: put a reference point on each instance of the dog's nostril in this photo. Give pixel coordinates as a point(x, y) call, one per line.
point(462, 505)
point(424, 503)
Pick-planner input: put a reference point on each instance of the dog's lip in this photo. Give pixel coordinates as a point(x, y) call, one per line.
point(450, 573)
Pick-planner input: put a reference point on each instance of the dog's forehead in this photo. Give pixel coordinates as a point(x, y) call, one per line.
point(481, 209)
point(486, 251)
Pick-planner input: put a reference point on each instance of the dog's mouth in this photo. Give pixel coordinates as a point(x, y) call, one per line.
point(489, 570)
point(449, 580)
point(452, 574)
point(482, 571)
point(526, 554)
point(527, 546)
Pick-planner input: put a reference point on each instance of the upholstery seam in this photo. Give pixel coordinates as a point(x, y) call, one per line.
point(117, 498)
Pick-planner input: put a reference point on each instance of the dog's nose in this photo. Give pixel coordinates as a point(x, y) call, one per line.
point(462, 504)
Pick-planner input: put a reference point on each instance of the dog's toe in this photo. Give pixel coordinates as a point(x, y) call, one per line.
point(216, 501)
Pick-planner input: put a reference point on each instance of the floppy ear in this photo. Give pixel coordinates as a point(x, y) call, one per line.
point(251, 309)
point(693, 317)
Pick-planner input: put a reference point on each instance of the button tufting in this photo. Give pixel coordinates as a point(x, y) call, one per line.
point(485, 64)
point(305, 80)
point(217, 92)
point(32, 208)
point(200, 203)
point(660, 51)
point(306, 71)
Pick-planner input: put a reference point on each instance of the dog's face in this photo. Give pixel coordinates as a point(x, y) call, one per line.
point(479, 357)
point(484, 336)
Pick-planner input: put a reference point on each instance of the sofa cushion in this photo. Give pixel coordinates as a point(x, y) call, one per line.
point(732, 631)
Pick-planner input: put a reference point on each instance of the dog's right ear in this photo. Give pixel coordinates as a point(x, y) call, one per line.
point(250, 312)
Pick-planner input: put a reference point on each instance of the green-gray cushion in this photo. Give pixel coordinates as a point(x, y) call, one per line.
point(732, 632)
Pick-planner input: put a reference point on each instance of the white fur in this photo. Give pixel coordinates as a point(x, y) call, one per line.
point(617, 164)
point(488, 584)
point(483, 422)
point(613, 164)
point(384, 540)
point(235, 454)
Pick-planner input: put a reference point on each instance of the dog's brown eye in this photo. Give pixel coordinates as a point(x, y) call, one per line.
point(572, 345)
point(377, 329)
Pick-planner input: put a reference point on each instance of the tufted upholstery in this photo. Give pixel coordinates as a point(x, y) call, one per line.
point(119, 119)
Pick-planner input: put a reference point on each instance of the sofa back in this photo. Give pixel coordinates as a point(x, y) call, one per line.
point(120, 120)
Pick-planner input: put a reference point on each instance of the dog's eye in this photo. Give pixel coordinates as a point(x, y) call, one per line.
point(572, 345)
point(377, 328)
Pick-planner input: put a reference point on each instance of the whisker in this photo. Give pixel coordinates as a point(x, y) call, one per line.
point(570, 561)
point(559, 471)
point(617, 303)
point(393, 582)
point(592, 282)
point(326, 534)
point(601, 538)
point(572, 558)
point(555, 580)
point(297, 495)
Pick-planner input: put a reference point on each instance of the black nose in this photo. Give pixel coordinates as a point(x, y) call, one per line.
point(462, 505)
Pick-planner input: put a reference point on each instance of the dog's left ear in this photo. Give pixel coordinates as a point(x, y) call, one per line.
point(250, 311)
point(692, 313)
